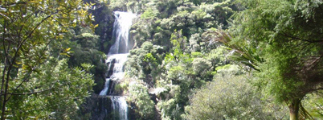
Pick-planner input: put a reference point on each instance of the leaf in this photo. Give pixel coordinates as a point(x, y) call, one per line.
point(67, 49)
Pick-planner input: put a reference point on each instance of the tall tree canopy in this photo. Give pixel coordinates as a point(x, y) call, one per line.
point(35, 79)
point(282, 39)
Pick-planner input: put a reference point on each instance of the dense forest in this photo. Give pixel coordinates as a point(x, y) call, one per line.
point(190, 59)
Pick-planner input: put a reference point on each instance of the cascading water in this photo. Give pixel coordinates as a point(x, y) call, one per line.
point(116, 63)
point(119, 105)
point(122, 25)
point(117, 57)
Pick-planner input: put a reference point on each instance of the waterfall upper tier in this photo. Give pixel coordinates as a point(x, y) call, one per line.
point(122, 24)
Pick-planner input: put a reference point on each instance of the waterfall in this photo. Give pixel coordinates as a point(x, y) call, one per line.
point(119, 104)
point(117, 57)
point(106, 87)
point(121, 27)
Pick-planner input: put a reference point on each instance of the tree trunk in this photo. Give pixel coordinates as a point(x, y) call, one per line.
point(294, 109)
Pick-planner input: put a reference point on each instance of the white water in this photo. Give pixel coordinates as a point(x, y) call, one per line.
point(122, 25)
point(106, 87)
point(116, 62)
point(120, 60)
point(120, 104)
point(118, 52)
point(117, 57)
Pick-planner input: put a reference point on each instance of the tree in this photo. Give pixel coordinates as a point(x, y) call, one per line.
point(30, 30)
point(282, 40)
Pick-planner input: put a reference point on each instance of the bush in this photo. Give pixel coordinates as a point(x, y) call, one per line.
point(139, 95)
point(230, 97)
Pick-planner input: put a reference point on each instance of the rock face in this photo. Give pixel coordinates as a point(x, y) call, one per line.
point(100, 108)
point(104, 17)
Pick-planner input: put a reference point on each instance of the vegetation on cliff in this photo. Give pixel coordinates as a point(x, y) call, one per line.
point(192, 59)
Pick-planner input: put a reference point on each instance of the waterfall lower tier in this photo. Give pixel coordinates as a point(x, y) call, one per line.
point(115, 73)
point(109, 108)
point(120, 107)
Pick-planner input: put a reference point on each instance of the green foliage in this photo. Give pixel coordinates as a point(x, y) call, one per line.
point(148, 14)
point(174, 54)
point(169, 109)
point(178, 50)
point(282, 42)
point(313, 102)
point(231, 97)
point(179, 72)
point(104, 19)
point(200, 66)
point(134, 6)
point(163, 17)
point(150, 58)
point(139, 95)
point(55, 91)
point(36, 82)
point(145, 61)
point(184, 72)
point(84, 48)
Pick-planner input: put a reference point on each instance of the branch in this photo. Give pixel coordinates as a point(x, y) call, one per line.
point(16, 54)
point(30, 92)
point(313, 90)
point(5, 56)
point(20, 84)
point(29, 35)
point(306, 40)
